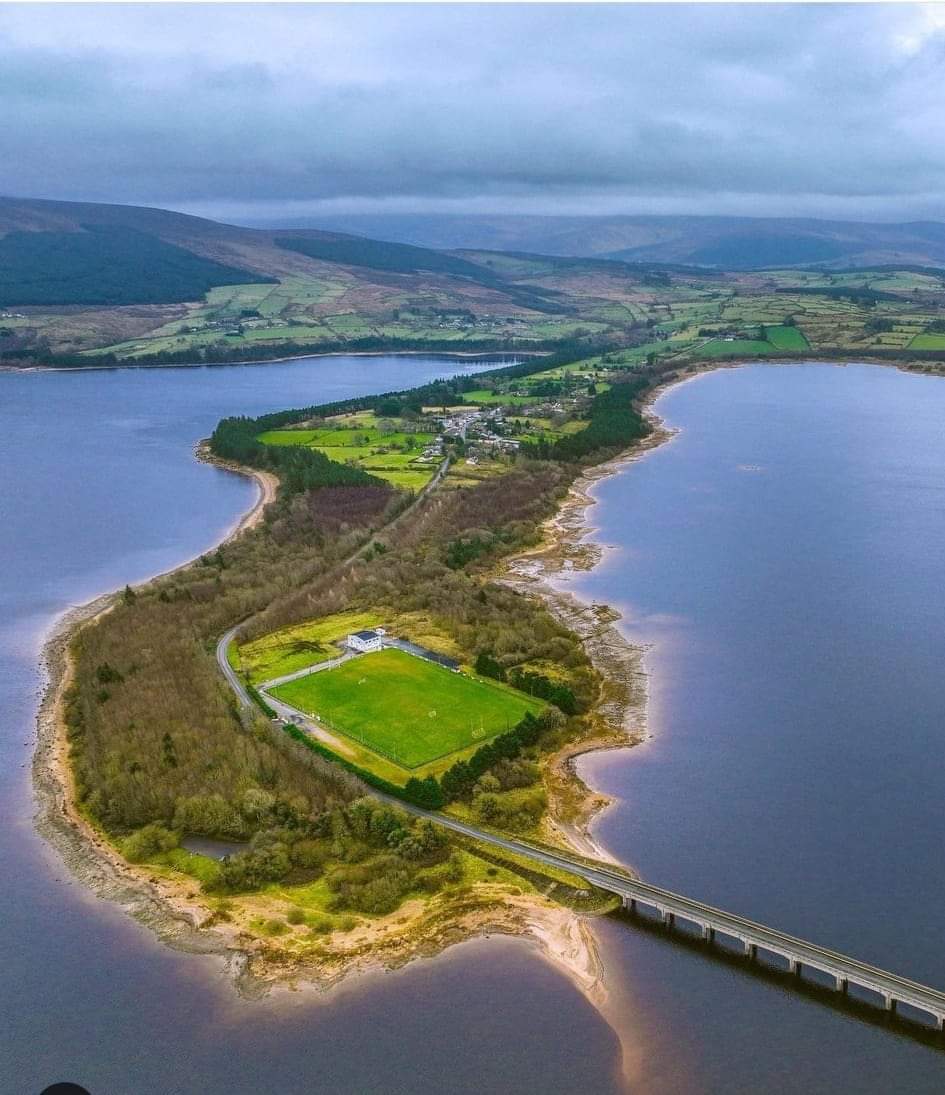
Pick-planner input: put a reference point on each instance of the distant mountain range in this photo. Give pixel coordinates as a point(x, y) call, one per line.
point(734, 243)
point(77, 253)
point(126, 283)
point(62, 253)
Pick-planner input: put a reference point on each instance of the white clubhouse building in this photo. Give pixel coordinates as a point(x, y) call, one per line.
point(366, 641)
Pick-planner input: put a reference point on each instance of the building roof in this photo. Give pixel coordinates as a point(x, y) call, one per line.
point(366, 635)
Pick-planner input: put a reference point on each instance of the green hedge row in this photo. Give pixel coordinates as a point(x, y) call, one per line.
point(421, 792)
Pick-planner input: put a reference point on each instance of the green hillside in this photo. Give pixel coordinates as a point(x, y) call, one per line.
point(105, 265)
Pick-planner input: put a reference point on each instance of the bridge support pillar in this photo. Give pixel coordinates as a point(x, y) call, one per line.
point(843, 985)
point(707, 933)
point(792, 965)
point(889, 1002)
point(751, 950)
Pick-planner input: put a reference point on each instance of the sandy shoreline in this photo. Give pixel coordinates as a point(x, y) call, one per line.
point(174, 912)
point(162, 906)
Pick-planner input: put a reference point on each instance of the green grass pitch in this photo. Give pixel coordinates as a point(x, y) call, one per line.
point(406, 709)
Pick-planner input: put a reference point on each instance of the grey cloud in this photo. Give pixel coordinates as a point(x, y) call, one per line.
point(768, 109)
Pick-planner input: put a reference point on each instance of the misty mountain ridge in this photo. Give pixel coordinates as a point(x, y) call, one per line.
point(735, 243)
point(61, 253)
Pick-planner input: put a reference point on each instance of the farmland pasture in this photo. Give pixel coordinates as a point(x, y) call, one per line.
point(486, 395)
point(741, 347)
point(405, 708)
point(786, 338)
point(928, 341)
point(292, 648)
point(390, 454)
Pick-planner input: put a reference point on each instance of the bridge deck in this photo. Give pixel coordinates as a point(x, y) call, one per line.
point(845, 970)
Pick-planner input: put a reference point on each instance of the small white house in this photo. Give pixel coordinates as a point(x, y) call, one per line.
point(366, 641)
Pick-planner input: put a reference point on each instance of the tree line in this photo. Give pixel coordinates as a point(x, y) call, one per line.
point(156, 737)
point(614, 422)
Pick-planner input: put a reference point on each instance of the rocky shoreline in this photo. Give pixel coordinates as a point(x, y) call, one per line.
point(171, 908)
point(620, 717)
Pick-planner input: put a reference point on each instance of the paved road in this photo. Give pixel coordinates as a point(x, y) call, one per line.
point(318, 667)
point(232, 677)
point(844, 969)
point(223, 645)
point(799, 952)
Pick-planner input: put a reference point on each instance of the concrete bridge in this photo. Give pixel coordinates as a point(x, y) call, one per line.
point(757, 941)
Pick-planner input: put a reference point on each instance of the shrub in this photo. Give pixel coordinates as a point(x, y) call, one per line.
point(209, 815)
point(309, 854)
point(516, 810)
point(148, 841)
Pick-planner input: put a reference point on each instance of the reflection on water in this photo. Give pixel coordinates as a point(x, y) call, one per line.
point(785, 556)
point(99, 488)
point(213, 849)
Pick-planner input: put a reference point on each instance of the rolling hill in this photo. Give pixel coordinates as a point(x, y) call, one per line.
point(85, 284)
point(79, 278)
point(83, 253)
point(734, 243)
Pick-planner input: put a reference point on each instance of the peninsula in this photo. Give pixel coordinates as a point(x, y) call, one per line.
point(431, 518)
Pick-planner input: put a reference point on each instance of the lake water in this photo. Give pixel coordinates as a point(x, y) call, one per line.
point(98, 488)
point(784, 557)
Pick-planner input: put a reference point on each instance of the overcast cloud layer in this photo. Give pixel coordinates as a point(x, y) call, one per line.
point(237, 111)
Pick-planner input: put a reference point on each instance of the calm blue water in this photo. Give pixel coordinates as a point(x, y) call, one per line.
point(98, 487)
point(785, 555)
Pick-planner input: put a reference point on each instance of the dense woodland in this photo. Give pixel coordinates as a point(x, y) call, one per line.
point(157, 741)
point(106, 265)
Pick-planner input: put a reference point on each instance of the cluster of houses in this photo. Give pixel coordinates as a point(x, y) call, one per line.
point(432, 453)
point(478, 429)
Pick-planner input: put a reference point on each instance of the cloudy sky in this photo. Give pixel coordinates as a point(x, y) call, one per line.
point(256, 111)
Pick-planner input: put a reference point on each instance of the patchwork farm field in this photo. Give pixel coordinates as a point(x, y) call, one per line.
point(742, 347)
point(407, 709)
point(787, 338)
point(930, 341)
point(391, 454)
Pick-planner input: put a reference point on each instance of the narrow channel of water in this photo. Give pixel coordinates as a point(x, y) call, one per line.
point(784, 555)
point(98, 487)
